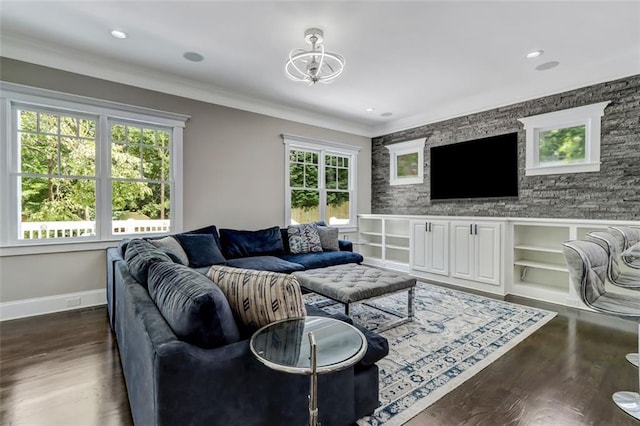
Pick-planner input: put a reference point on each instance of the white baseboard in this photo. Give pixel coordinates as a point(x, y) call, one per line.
point(50, 304)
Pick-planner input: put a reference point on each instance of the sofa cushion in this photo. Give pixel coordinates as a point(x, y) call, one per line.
point(201, 249)
point(321, 260)
point(258, 298)
point(328, 238)
point(304, 239)
point(265, 263)
point(264, 242)
point(140, 255)
point(173, 247)
point(195, 308)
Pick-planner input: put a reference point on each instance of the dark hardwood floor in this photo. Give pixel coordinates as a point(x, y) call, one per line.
point(64, 369)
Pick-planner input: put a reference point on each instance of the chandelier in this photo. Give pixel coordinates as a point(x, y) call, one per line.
point(315, 65)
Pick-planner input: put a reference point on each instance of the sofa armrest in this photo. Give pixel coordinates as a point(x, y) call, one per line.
point(345, 245)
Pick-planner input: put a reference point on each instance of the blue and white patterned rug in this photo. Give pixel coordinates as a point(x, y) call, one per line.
point(453, 337)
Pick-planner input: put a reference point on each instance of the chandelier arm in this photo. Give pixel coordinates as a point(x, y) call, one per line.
point(321, 62)
point(292, 62)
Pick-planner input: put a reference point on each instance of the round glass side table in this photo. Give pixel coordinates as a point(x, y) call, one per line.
point(309, 346)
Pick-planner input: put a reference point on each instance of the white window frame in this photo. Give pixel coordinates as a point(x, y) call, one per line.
point(322, 148)
point(12, 95)
point(403, 148)
point(588, 116)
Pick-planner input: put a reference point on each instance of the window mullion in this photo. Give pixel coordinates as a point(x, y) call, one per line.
point(175, 179)
point(103, 179)
point(322, 187)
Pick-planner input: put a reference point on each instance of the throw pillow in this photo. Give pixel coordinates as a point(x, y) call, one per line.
point(304, 239)
point(140, 255)
point(201, 249)
point(258, 298)
point(195, 308)
point(171, 244)
point(328, 238)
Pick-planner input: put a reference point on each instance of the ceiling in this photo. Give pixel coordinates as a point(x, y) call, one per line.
point(421, 61)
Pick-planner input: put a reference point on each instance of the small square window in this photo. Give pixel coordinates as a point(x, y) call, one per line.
point(566, 141)
point(406, 162)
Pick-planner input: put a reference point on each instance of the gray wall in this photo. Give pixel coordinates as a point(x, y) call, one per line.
point(233, 174)
point(612, 193)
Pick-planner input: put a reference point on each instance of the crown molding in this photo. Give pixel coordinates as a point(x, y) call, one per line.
point(90, 65)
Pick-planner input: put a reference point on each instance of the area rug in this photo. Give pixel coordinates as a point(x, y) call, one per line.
point(453, 337)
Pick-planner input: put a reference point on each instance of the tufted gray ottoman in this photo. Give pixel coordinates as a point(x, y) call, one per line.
point(353, 283)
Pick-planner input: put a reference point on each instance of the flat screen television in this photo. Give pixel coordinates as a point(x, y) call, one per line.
point(481, 168)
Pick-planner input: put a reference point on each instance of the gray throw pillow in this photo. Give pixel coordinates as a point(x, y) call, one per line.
point(304, 239)
point(171, 244)
point(328, 238)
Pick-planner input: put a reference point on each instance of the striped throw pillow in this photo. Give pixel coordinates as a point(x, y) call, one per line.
point(258, 298)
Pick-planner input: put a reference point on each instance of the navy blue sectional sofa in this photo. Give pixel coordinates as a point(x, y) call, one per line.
point(173, 382)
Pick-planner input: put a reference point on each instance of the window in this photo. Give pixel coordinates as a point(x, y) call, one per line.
point(406, 162)
point(80, 169)
point(566, 141)
point(320, 182)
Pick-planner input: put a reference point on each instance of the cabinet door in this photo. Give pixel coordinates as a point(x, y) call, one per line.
point(462, 251)
point(438, 248)
point(418, 246)
point(487, 252)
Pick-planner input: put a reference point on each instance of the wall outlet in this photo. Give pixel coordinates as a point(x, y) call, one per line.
point(73, 301)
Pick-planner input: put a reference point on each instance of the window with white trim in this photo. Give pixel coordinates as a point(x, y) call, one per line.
point(81, 169)
point(406, 162)
point(320, 182)
point(566, 141)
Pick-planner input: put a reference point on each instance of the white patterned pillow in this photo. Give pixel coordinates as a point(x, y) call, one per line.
point(258, 298)
point(304, 239)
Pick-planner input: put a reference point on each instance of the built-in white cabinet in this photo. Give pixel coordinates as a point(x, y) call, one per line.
point(475, 251)
point(520, 256)
point(430, 246)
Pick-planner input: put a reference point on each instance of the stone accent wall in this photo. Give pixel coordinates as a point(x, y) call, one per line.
point(613, 193)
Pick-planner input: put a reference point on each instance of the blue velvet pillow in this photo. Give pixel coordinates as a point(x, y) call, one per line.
point(140, 255)
point(201, 249)
point(264, 242)
point(211, 229)
point(194, 307)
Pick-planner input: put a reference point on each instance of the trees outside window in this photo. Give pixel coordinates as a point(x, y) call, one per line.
point(565, 141)
point(77, 173)
point(320, 183)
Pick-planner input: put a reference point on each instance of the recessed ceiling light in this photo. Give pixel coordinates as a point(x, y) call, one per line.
point(370, 109)
point(119, 34)
point(193, 56)
point(534, 54)
point(547, 65)
point(386, 114)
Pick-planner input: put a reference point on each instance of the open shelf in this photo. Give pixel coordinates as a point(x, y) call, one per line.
point(541, 265)
point(397, 236)
point(534, 247)
point(394, 247)
point(385, 241)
